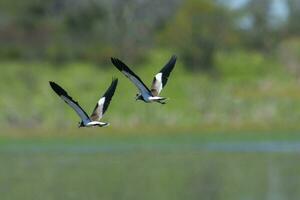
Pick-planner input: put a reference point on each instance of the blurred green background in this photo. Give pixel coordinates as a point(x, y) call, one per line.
point(229, 131)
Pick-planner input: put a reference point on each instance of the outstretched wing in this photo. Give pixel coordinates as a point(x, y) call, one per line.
point(64, 95)
point(131, 75)
point(161, 78)
point(104, 101)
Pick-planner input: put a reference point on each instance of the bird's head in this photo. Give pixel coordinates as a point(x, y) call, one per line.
point(80, 124)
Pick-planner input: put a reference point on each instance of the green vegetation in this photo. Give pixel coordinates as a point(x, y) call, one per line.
point(248, 92)
point(230, 129)
point(196, 30)
point(238, 67)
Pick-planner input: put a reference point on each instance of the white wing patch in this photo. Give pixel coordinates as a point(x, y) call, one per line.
point(101, 101)
point(98, 112)
point(157, 85)
point(78, 110)
point(159, 82)
point(100, 107)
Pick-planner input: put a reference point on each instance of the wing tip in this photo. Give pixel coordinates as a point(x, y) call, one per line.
point(114, 78)
point(173, 58)
point(117, 63)
point(114, 81)
point(113, 86)
point(57, 88)
point(112, 59)
point(52, 83)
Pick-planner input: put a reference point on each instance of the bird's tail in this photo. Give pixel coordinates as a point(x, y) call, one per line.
point(104, 124)
point(161, 100)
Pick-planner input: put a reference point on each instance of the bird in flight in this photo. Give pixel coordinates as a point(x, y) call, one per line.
point(159, 82)
point(99, 110)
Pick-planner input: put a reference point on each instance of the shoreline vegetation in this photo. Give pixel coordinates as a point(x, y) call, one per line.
point(241, 96)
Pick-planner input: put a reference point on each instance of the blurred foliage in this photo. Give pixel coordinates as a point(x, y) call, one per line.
point(65, 30)
point(93, 30)
point(197, 32)
point(244, 61)
point(245, 65)
point(289, 54)
point(260, 35)
point(250, 91)
point(293, 27)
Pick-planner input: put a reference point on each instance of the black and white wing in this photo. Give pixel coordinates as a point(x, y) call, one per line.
point(64, 95)
point(161, 78)
point(104, 101)
point(131, 75)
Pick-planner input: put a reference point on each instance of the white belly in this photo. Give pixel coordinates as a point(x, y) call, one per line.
point(151, 99)
point(96, 123)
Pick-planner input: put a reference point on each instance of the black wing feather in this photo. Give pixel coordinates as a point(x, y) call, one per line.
point(60, 91)
point(166, 70)
point(122, 66)
point(109, 94)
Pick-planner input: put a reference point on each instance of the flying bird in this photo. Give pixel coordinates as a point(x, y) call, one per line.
point(159, 81)
point(99, 110)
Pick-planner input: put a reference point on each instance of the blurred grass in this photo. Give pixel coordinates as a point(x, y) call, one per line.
point(249, 92)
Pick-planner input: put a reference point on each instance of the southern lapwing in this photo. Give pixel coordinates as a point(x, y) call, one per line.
point(159, 81)
point(99, 110)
